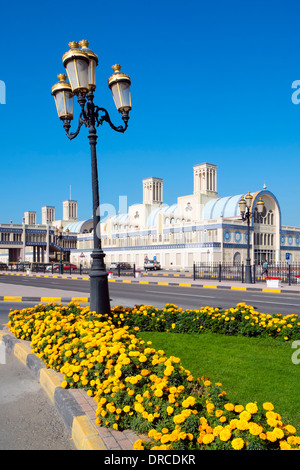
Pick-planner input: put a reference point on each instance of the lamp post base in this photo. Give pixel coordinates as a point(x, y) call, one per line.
point(99, 294)
point(248, 274)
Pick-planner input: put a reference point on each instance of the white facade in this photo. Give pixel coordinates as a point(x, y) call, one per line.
point(199, 227)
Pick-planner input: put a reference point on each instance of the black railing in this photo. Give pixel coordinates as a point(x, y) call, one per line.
point(288, 273)
point(219, 271)
point(54, 268)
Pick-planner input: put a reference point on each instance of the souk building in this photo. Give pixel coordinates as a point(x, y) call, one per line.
point(199, 227)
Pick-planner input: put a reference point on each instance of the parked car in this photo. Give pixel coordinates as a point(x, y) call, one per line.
point(121, 265)
point(113, 266)
point(152, 265)
point(66, 267)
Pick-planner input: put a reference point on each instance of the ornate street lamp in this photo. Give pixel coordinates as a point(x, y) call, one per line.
point(80, 63)
point(246, 210)
point(58, 233)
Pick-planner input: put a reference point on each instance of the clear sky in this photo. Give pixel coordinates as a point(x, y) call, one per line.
point(211, 81)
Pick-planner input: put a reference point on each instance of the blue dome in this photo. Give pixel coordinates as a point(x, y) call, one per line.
point(120, 218)
point(222, 207)
point(74, 227)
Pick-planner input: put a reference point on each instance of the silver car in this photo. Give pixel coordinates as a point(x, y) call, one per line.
point(152, 265)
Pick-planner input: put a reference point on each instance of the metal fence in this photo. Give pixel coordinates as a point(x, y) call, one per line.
point(129, 270)
point(289, 273)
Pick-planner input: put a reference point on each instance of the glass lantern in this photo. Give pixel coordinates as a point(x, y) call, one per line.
point(119, 84)
point(249, 198)
point(242, 205)
point(260, 205)
point(76, 62)
point(84, 44)
point(64, 98)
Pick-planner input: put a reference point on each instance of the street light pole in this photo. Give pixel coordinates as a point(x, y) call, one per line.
point(82, 83)
point(58, 233)
point(246, 210)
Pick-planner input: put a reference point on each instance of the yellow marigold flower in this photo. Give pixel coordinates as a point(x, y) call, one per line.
point(179, 419)
point(290, 429)
point(245, 415)
point(229, 407)
point(164, 439)
point(64, 384)
point(138, 445)
point(238, 408)
point(225, 435)
point(237, 443)
point(208, 438)
point(268, 406)
point(217, 430)
point(271, 436)
point(255, 429)
point(210, 407)
point(252, 408)
point(284, 445)
point(242, 425)
point(278, 433)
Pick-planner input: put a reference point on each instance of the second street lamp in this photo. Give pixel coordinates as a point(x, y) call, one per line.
point(59, 236)
point(246, 210)
point(80, 64)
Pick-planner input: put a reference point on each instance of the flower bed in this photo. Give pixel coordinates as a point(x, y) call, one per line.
point(241, 320)
point(273, 281)
point(138, 387)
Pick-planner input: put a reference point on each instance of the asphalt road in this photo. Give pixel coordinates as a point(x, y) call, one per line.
point(186, 297)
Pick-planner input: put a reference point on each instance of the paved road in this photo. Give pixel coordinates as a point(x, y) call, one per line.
point(158, 295)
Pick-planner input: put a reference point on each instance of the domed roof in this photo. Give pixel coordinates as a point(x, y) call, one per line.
point(120, 218)
point(222, 207)
point(164, 210)
point(77, 227)
point(74, 227)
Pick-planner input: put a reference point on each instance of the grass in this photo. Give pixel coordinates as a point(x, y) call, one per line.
point(250, 369)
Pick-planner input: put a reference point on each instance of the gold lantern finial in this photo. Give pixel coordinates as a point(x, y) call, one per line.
point(116, 68)
point(73, 45)
point(62, 77)
point(84, 43)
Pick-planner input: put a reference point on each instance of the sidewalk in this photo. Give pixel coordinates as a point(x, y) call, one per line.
point(75, 407)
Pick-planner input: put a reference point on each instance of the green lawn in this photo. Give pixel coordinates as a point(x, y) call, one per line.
point(250, 369)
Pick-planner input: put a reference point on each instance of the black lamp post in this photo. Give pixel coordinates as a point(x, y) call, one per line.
point(59, 236)
point(80, 63)
point(246, 210)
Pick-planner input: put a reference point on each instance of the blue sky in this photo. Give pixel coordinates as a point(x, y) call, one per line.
point(211, 81)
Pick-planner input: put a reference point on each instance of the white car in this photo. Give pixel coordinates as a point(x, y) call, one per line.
point(151, 265)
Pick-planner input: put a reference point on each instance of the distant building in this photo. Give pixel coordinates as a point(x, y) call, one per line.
point(199, 227)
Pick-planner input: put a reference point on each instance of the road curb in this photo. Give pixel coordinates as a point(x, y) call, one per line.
point(43, 299)
point(78, 424)
point(206, 286)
